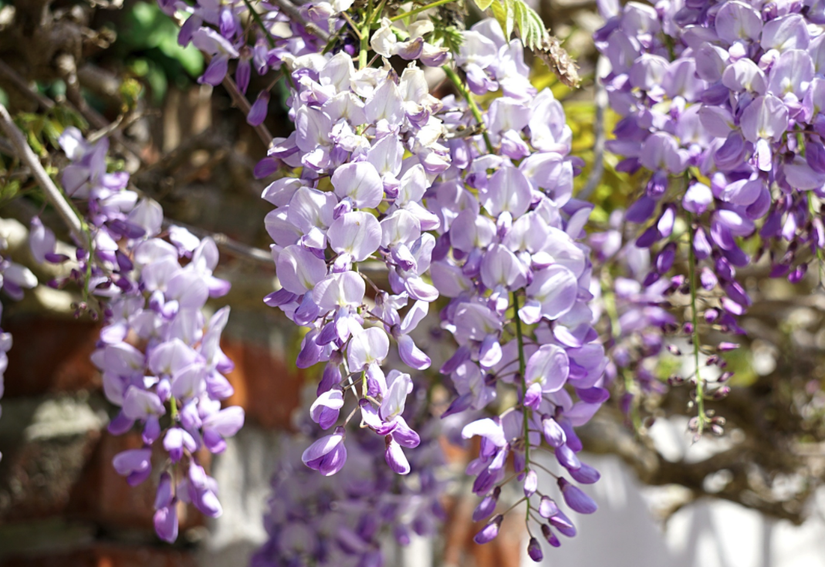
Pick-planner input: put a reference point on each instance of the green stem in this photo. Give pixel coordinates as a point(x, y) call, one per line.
point(700, 385)
point(819, 257)
point(521, 368)
point(419, 10)
point(173, 408)
point(257, 17)
point(468, 96)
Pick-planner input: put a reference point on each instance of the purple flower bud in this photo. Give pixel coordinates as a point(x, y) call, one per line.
point(242, 73)
point(134, 464)
point(489, 532)
point(531, 483)
point(164, 495)
point(707, 278)
point(553, 432)
point(166, 523)
point(664, 261)
point(215, 71)
point(487, 506)
point(641, 210)
point(567, 457)
point(585, 474)
point(534, 550)
point(258, 111)
point(550, 536)
point(395, 457)
point(547, 507)
point(697, 198)
point(575, 498)
point(327, 455)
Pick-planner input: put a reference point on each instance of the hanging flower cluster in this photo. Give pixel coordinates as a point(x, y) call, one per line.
point(487, 218)
point(159, 355)
point(14, 278)
point(396, 209)
point(357, 201)
point(518, 279)
point(720, 102)
point(341, 519)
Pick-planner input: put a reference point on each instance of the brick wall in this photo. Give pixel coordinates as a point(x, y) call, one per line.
point(61, 502)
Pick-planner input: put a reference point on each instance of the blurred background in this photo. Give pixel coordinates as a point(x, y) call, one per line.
point(748, 499)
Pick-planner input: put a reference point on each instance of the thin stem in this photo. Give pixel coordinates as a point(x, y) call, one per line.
point(545, 469)
point(257, 17)
point(819, 257)
point(351, 414)
point(294, 14)
point(353, 25)
point(364, 37)
point(50, 190)
point(700, 385)
point(419, 10)
point(521, 369)
point(522, 499)
point(468, 96)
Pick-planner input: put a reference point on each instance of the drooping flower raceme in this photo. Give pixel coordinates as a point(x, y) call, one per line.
point(159, 353)
point(357, 201)
point(14, 278)
point(720, 102)
point(509, 258)
point(342, 519)
point(384, 174)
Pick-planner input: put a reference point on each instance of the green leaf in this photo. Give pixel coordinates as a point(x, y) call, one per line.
point(530, 27)
point(483, 4)
point(504, 12)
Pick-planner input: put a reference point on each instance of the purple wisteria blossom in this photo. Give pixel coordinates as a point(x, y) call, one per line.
point(14, 278)
point(159, 352)
point(342, 519)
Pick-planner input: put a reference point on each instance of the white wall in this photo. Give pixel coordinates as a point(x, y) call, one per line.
point(708, 533)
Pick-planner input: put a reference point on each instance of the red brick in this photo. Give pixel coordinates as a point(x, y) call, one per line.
point(266, 387)
point(108, 555)
point(39, 476)
point(104, 497)
point(50, 355)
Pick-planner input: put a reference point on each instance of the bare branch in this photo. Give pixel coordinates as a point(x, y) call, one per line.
point(238, 248)
point(52, 193)
point(294, 14)
point(21, 84)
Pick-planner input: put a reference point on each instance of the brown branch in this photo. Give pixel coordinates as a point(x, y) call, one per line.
point(295, 15)
point(50, 190)
point(605, 434)
point(18, 81)
point(257, 255)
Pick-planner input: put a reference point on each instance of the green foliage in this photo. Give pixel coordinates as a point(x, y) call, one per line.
point(448, 36)
point(516, 15)
point(151, 28)
point(130, 91)
point(43, 130)
point(148, 42)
